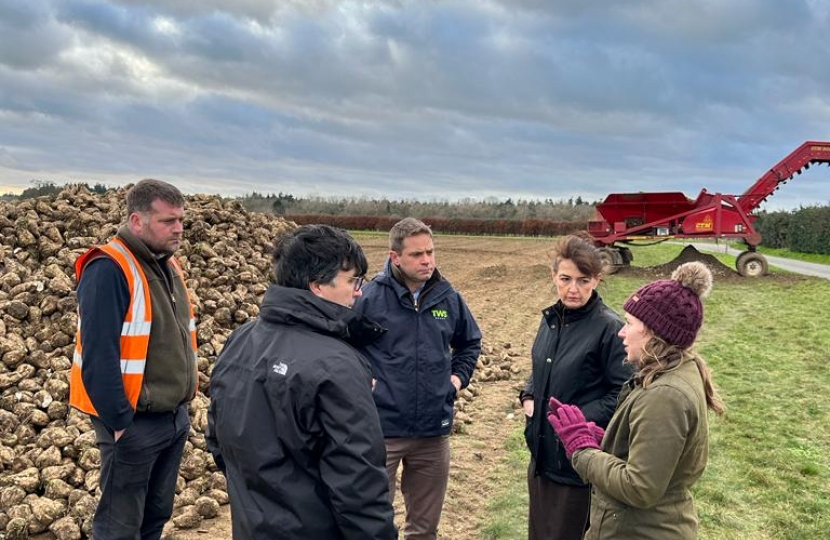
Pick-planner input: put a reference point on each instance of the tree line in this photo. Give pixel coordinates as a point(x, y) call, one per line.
point(573, 209)
point(286, 204)
point(805, 230)
point(41, 188)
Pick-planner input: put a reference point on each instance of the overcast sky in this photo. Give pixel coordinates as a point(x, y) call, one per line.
point(415, 99)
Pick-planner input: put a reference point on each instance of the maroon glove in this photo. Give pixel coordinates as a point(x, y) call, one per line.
point(598, 432)
point(569, 423)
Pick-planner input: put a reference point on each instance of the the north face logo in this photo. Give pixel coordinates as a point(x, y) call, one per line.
point(440, 314)
point(280, 368)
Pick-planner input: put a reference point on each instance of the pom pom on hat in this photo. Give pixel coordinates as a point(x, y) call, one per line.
point(671, 308)
point(695, 276)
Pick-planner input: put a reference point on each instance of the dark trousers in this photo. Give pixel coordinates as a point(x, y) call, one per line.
point(557, 511)
point(138, 475)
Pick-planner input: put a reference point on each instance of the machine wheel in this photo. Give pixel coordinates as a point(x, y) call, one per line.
point(751, 264)
point(627, 256)
point(611, 260)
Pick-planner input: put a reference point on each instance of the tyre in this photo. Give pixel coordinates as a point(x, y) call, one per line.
point(626, 255)
point(611, 259)
point(751, 264)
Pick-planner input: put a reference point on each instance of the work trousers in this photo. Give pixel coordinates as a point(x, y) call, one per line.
point(557, 511)
point(425, 471)
point(138, 475)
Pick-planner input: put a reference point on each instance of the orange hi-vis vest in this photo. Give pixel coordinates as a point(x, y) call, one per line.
point(135, 332)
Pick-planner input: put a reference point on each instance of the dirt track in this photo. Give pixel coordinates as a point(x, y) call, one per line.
point(506, 283)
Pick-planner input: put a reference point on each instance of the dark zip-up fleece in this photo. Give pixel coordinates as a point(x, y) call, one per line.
point(579, 359)
point(103, 300)
point(426, 343)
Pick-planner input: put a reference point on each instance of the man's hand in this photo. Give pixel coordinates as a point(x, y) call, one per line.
point(456, 382)
point(117, 434)
point(528, 406)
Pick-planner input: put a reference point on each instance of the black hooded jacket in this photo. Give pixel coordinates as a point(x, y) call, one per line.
point(293, 425)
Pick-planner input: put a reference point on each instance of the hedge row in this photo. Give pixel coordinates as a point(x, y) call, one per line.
point(806, 230)
point(500, 227)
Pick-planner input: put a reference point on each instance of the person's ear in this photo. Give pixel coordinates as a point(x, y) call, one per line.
point(135, 221)
point(315, 288)
point(395, 258)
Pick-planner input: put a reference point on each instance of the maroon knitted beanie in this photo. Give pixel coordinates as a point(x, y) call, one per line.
point(671, 308)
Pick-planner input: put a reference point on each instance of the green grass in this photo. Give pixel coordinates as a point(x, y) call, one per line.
point(785, 253)
point(508, 511)
point(768, 343)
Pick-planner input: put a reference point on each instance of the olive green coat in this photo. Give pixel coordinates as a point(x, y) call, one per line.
point(655, 448)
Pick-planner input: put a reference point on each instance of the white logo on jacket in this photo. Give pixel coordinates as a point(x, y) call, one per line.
point(280, 368)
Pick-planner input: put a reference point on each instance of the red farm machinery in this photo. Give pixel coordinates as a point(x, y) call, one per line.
point(644, 218)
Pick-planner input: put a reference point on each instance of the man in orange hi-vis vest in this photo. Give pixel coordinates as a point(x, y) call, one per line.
point(134, 369)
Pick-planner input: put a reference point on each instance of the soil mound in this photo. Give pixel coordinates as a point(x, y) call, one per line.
point(719, 270)
point(690, 254)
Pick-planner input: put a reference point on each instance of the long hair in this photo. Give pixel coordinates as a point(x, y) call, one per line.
point(660, 357)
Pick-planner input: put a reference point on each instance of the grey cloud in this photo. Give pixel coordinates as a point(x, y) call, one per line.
point(29, 38)
point(23, 15)
point(445, 98)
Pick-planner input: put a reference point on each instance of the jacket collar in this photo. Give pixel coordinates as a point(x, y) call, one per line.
point(300, 307)
point(559, 313)
point(139, 248)
point(391, 277)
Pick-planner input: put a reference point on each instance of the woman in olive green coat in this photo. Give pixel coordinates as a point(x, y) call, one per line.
point(657, 443)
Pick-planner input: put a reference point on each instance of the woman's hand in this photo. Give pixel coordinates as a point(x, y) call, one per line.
point(527, 405)
point(569, 423)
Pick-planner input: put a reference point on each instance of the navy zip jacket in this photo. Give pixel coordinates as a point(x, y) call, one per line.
point(425, 344)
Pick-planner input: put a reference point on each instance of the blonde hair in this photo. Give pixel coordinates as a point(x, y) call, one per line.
point(660, 357)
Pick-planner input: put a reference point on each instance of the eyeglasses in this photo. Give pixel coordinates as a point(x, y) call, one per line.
point(358, 281)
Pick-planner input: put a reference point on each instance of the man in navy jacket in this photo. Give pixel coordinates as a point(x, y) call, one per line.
point(425, 358)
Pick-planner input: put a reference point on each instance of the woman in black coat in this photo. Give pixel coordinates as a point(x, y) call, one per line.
point(577, 358)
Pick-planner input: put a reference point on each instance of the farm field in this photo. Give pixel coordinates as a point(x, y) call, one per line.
point(767, 340)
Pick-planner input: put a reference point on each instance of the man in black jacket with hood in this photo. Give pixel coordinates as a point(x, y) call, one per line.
point(292, 423)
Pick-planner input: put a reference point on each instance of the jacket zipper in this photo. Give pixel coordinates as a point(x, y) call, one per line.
point(170, 286)
point(417, 327)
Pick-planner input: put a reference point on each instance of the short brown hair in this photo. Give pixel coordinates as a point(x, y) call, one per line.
point(404, 229)
point(581, 252)
point(141, 196)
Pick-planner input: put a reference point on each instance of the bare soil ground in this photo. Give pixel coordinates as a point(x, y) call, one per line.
point(506, 283)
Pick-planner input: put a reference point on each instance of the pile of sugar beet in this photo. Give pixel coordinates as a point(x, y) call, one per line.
point(49, 464)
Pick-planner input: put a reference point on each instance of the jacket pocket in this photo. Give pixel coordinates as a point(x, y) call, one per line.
point(608, 518)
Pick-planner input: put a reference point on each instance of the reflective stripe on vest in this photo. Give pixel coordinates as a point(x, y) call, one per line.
point(135, 332)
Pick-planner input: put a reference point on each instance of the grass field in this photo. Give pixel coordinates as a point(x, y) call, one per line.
point(780, 252)
point(768, 343)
